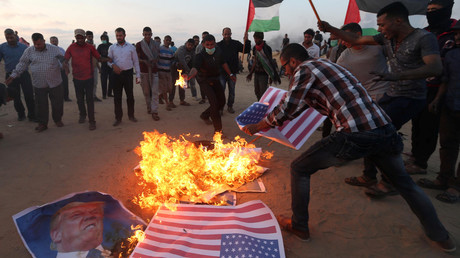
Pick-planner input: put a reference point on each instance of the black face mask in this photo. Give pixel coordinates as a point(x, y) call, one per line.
point(439, 18)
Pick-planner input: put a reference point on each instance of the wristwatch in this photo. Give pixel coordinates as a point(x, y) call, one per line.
point(231, 75)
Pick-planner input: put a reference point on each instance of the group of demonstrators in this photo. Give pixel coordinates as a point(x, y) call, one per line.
point(155, 65)
point(369, 88)
point(378, 84)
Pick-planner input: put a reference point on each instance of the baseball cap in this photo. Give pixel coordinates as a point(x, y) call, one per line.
point(80, 32)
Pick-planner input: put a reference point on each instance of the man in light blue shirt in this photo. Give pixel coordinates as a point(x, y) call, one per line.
point(11, 51)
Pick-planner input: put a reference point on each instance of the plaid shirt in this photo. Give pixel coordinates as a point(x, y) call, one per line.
point(44, 66)
point(332, 91)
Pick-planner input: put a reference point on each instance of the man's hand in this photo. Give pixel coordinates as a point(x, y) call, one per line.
point(324, 26)
point(233, 78)
point(116, 69)
point(433, 107)
point(9, 80)
point(138, 80)
point(386, 76)
point(249, 77)
point(254, 128)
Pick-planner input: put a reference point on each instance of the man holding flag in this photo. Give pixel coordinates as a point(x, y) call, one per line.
point(362, 130)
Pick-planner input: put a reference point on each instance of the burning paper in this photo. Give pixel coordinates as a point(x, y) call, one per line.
point(181, 82)
point(172, 170)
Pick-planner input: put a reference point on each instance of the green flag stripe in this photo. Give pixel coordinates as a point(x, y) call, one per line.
point(265, 25)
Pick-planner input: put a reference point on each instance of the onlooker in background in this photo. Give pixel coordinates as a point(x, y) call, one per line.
point(43, 61)
point(173, 47)
point(157, 40)
point(449, 131)
point(425, 126)
point(124, 59)
point(285, 41)
point(230, 50)
point(11, 51)
point(65, 80)
point(164, 71)
point(263, 68)
point(106, 70)
point(198, 49)
point(82, 54)
point(318, 39)
point(312, 49)
point(96, 68)
point(183, 61)
point(148, 53)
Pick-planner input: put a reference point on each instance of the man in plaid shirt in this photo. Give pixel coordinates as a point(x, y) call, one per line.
point(362, 130)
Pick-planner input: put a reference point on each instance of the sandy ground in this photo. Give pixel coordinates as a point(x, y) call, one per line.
point(37, 168)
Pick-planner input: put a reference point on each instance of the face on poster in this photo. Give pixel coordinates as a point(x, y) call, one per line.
point(89, 224)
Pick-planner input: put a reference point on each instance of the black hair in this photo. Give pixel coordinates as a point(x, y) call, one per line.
point(295, 51)
point(147, 29)
point(205, 32)
point(209, 37)
point(196, 37)
point(443, 3)
point(120, 29)
point(310, 32)
point(89, 33)
point(190, 41)
point(9, 31)
point(395, 10)
point(37, 36)
point(259, 35)
point(353, 27)
point(167, 36)
point(104, 35)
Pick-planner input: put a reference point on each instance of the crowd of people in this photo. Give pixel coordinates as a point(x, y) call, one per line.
point(369, 87)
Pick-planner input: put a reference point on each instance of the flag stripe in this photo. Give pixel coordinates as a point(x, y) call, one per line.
point(259, 218)
point(308, 131)
point(191, 230)
point(267, 13)
point(265, 3)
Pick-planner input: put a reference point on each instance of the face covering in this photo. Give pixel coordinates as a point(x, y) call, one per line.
point(210, 51)
point(89, 41)
point(334, 42)
point(104, 42)
point(439, 18)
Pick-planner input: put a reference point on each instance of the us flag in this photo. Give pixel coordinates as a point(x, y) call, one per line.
point(246, 230)
point(293, 133)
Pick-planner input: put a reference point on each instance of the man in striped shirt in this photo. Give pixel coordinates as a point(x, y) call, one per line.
point(362, 130)
point(164, 71)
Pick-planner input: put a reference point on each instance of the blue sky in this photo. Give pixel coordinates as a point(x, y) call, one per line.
point(179, 18)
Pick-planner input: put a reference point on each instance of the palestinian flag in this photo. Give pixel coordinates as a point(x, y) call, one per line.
point(263, 15)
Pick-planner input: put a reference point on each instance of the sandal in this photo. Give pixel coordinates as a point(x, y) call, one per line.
point(380, 190)
point(155, 116)
point(413, 169)
point(431, 184)
point(448, 197)
point(360, 181)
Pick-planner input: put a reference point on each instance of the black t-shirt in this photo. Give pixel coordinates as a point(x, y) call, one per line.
point(208, 66)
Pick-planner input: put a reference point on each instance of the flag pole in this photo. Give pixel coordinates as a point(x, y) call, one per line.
point(314, 10)
point(246, 32)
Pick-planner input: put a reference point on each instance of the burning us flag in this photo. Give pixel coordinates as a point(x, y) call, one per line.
point(246, 230)
point(173, 170)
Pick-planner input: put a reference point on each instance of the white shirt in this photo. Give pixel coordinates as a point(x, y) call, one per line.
point(313, 51)
point(125, 57)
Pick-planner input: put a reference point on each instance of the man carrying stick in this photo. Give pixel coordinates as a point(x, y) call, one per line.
point(362, 130)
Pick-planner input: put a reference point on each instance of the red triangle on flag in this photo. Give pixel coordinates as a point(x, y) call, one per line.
point(352, 13)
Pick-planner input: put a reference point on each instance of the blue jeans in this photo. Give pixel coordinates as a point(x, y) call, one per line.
point(383, 146)
point(400, 110)
point(224, 80)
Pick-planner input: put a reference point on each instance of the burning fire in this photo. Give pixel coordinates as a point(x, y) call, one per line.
point(181, 82)
point(126, 247)
point(172, 170)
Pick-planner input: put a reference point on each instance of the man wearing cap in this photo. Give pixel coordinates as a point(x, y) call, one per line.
point(82, 55)
point(124, 59)
point(11, 51)
point(76, 230)
point(43, 62)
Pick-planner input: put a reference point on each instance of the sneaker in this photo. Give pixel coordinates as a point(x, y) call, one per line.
point(230, 110)
point(447, 246)
point(59, 124)
point(92, 126)
point(286, 224)
point(81, 120)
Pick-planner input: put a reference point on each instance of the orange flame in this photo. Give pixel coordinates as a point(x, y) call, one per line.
point(172, 170)
point(128, 245)
point(181, 82)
